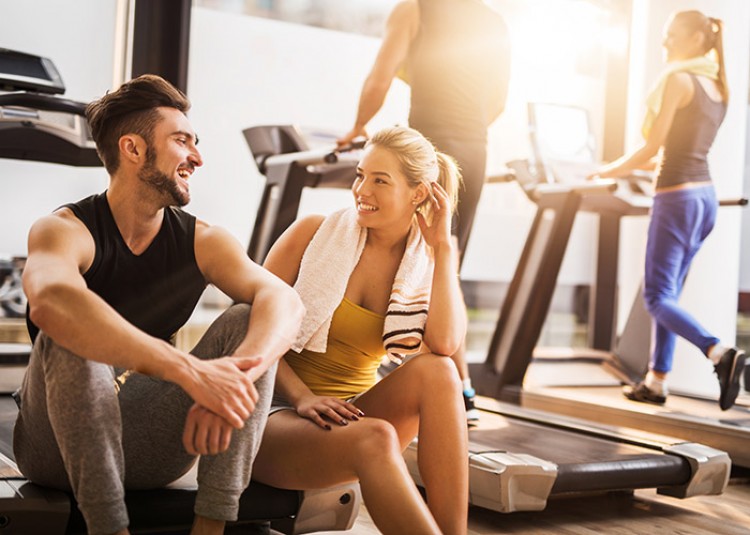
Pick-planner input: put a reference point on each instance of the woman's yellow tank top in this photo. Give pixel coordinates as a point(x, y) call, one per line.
point(355, 349)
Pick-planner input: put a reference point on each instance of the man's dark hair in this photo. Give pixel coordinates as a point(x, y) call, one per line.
point(131, 109)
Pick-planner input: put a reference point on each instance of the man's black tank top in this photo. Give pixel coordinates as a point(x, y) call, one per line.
point(157, 290)
point(454, 67)
point(689, 139)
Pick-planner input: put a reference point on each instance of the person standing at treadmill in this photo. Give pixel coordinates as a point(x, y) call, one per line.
point(455, 56)
point(685, 109)
point(107, 403)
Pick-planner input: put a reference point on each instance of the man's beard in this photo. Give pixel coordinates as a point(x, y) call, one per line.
point(161, 183)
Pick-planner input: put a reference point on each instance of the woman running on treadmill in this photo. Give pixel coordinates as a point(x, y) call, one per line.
point(685, 109)
point(378, 278)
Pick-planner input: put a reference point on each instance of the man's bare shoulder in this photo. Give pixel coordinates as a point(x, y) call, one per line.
point(62, 220)
point(64, 236)
point(206, 231)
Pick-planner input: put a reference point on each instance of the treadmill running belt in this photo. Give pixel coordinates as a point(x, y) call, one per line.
point(585, 463)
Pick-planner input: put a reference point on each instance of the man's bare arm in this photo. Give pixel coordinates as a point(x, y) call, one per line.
point(401, 28)
point(277, 309)
point(64, 308)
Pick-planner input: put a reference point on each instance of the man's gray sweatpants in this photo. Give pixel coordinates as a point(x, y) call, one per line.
point(74, 432)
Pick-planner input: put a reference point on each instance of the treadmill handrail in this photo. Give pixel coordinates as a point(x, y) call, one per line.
point(311, 157)
point(593, 187)
point(741, 201)
point(43, 102)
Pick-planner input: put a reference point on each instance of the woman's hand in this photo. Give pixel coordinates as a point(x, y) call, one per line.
point(439, 232)
point(319, 409)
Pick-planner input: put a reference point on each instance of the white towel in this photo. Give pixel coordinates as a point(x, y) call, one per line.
point(324, 273)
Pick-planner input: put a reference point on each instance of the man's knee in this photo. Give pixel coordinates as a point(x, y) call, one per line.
point(239, 312)
point(51, 360)
point(225, 333)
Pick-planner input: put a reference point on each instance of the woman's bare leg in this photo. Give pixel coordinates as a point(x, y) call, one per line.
point(425, 395)
point(298, 454)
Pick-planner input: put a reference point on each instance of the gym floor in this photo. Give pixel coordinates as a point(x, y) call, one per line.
point(621, 514)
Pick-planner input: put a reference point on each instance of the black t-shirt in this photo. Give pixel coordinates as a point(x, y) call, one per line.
point(458, 68)
point(157, 290)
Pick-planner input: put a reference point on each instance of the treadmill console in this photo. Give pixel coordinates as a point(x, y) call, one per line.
point(34, 123)
point(26, 72)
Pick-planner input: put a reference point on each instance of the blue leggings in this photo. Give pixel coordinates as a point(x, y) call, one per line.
point(680, 222)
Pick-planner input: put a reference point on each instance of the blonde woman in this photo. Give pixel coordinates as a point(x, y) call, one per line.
point(377, 278)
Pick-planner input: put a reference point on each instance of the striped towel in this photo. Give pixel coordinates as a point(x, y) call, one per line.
point(324, 273)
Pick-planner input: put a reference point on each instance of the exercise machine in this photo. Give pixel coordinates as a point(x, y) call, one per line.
point(37, 125)
point(284, 157)
point(586, 382)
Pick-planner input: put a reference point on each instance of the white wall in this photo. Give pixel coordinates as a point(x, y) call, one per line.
point(544, 68)
point(78, 37)
point(247, 71)
point(710, 292)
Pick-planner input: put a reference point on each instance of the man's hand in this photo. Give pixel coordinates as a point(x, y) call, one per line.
point(205, 432)
point(351, 136)
point(224, 387)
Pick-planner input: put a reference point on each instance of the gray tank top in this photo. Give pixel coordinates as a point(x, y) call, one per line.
point(689, 139)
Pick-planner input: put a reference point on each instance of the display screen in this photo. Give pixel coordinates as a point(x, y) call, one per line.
point(27, 72)
point(562, 132)
point(28, 66)
point(563, 145)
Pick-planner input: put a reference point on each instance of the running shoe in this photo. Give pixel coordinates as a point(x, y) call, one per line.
point(729, 370)
point(472, 413)
point(644, 394)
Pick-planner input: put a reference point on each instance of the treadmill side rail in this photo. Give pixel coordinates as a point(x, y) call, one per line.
point(508, 482)
point(711, 469)
point(330, 509)
point(502, 481)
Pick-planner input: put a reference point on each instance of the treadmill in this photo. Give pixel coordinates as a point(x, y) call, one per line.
point(286, 158)
point(586, 382)
point(36, 125)
point(519, 458)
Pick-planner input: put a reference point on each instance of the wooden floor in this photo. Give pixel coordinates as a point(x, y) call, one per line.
point(642, 513)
